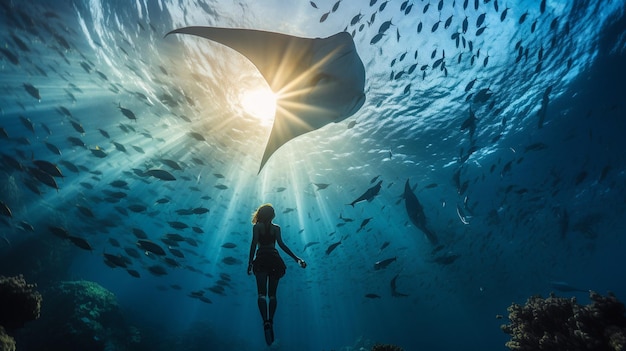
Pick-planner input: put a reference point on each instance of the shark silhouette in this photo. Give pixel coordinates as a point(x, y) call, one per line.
point(415, 210)
point(318, 80)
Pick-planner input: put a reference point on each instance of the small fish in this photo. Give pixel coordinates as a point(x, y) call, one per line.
point(565, 287)
point(372, 296)
point(394, 289)
point(126, 112)
point(309, 244)
point(27, 123)
point(5, 210)
point(98, 152)
point(229, 245)
point(53, 148)
point(80, 242)
point(34, 92)
point(332, 247)
point(384, 263)
point(231, 261)
point(150, 246)
point(321, 186)
point(161, 174)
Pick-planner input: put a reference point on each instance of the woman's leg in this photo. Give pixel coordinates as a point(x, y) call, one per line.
point(273, 286)
point(261, 284)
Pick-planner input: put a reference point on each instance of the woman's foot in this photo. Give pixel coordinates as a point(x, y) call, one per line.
point(269, 332)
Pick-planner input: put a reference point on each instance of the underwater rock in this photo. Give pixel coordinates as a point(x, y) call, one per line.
point(560, 324)
point(79, 315)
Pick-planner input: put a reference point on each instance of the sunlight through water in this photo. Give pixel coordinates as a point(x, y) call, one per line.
point(259, 102)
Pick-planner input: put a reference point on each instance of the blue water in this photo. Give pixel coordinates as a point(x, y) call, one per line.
point(549, 141)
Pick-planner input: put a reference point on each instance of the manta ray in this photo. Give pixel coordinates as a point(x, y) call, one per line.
point(318, 80)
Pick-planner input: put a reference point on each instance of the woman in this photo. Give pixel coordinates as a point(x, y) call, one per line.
point(268, 266)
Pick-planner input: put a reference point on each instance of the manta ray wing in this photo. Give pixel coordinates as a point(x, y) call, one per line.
point(319, 80)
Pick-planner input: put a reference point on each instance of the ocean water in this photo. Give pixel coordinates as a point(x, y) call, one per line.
point(530, 192)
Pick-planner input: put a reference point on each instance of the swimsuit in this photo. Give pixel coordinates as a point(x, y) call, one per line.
point(267, 259)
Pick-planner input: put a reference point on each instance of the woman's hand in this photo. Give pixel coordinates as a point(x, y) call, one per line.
point(249, 268)
point(301, 263)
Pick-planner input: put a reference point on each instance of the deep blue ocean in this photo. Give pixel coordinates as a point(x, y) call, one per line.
point(506, 118)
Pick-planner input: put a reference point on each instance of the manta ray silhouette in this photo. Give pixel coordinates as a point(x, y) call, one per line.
point(318, 80)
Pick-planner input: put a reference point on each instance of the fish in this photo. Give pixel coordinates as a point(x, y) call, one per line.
point(309, 244)
point(5, 210)
point(53, 148)
point(157, 270)
point(133, 273)
point(177, 225)
point(394, 290)
point(229, 245)
point(446, 259)
point(332, 247)
point(196, 136)
point(80, 242)
point(369, 194)
point(126, 112)
point(114, 260)
point(34, 92)
point(333, 91)
point(321, 186)
point(565, 287)
point(150, 246)
point(384, 263)
point(43, 177)
point(372, 296)
point(85, 211)
point(384, 245)
point(27, 123)
point(229, 260)
point(364, 223)
point(98, 152)
point(173, 164)
point(160, 174)
point(416, 213)
point(49, 168)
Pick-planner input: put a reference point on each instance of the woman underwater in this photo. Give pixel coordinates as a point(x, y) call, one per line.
point(268, 266)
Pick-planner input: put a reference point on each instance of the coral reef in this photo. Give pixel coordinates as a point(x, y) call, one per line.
point(79, 315)
point(19, 302)
point(559, 324)
point(381, 347)
point(7, 343)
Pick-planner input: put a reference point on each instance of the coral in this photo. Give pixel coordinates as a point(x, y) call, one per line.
point(559, 324)
point(79, 315)
point(7, 343)
point(381, 347)
point(19, 302)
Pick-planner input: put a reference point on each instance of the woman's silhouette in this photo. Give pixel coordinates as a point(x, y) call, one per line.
point(268, 266)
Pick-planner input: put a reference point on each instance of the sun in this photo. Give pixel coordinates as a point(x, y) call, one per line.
point(259, 102)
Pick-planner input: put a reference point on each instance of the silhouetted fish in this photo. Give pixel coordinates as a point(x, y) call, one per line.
point(369, 194)
point(416, 213)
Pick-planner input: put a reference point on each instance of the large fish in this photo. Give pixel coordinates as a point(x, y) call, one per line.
point(369, 194)
point(318, 80)
point(416, 213)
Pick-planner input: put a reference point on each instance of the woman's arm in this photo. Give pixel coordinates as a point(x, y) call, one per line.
point(279, 240)
point(253, 244)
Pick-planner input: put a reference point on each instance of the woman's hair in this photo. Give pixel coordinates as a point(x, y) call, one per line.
point(264, 214)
